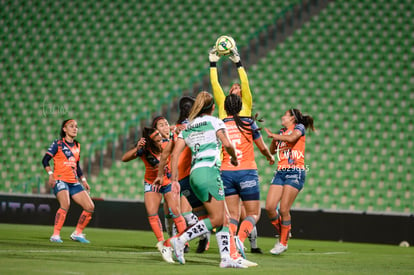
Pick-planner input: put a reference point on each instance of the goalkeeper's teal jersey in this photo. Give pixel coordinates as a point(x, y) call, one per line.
point(201, 137)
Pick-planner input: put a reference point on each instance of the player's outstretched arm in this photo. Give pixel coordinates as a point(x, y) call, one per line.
point(247, 99)
point(264, 150)
point(132, 154)
point(218, 93)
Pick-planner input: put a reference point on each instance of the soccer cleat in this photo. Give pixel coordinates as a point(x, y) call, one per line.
point(79, 237)
point(160, 245)
point(166, 252)
point(178, 247)
point(256, 250)
point(202, 244)
point(245, 262)
point(56, 239)
point(278, 249)
point(230, 263)
point(186, 248)
point(290, 235)
point(240, 246)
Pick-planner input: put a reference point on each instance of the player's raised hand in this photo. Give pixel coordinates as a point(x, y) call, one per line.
point(235, 56)
point(213, 56)
point(180, 128)
point(141, 143)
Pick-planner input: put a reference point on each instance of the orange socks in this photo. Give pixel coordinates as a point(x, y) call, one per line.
point(246, 227)
point(156, 226)
point(180, 223)
point(234, 254)
point(284, 232)
point(59, 220)
point(83, 221)
point(276, 223)
point(234, 224)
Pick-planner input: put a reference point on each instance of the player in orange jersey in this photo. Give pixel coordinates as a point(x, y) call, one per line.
point(289, 145)
point(149, 149)
point(67, 180)
point(242, 181)
point(172, 214)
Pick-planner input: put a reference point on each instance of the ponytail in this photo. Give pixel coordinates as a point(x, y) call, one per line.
point(185, 105)
point(203, 105)
point(233, 106)
point(306, 120)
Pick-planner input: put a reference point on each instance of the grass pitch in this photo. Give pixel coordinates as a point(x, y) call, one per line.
point(25, 249)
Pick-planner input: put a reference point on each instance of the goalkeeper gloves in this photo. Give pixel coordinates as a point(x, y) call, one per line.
point(213, 56)
point(235, 56)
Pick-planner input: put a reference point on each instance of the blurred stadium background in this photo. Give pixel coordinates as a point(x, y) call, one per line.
point(113, 65)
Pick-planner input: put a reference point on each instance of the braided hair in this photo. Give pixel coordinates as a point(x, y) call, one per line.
point(233, 106)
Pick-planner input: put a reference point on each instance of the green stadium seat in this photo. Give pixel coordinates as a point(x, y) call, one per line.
point(343, 67)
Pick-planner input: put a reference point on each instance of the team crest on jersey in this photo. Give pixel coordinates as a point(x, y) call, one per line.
point(72, 159)
point(66, 151)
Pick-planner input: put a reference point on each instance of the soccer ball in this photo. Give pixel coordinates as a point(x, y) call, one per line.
point(404, 244)
point(224, 45)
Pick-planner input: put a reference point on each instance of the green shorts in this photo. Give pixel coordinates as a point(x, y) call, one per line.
point(206, 181)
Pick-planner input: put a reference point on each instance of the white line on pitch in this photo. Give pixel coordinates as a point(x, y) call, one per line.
point(76, 251)
point(320, 253)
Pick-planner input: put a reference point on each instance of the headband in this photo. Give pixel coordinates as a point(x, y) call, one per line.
point(68, 122)
point(205, 108)
point(154, 122)
point(154, 134)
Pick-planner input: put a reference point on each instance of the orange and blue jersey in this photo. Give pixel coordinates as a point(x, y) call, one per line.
point(291, 155)
point(65, 160)
point(243, 142)
point(151, 162)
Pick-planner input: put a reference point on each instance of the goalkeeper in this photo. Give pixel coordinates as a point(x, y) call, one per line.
point(242, 90)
